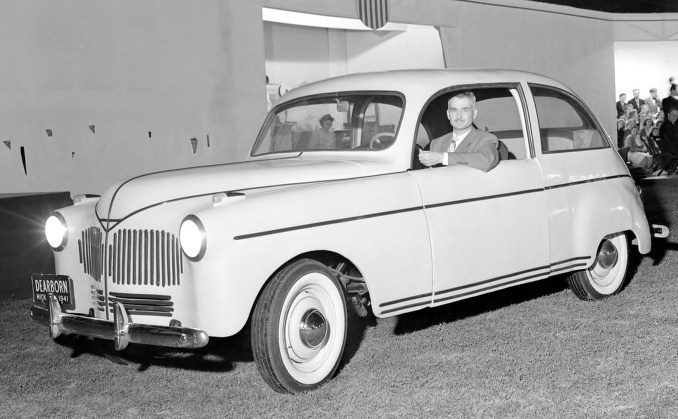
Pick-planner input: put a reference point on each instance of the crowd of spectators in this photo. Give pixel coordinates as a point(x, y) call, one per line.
point(647, 131)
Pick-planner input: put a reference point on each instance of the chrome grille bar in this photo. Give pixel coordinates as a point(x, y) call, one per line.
point(133, 257)
point(91, 251)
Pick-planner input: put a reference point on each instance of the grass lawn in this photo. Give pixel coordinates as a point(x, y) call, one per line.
point(531, 351)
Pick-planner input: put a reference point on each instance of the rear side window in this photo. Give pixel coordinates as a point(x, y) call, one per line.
point(564, 123)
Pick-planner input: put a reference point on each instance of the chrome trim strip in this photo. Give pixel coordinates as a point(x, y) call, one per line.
point(323, 223)
point(581, 182)
point(439, 204)
point(580, 262)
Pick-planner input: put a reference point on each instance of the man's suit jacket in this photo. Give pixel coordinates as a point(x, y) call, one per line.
point(654, 104)
point(621, 108)
point(477, 150)
point(668, 103)
point(636, 106)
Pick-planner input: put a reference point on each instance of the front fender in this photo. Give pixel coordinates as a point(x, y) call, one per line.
point(384, 234)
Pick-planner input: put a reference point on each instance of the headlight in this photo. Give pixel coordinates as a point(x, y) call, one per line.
point(193, 238)
point(56, 231)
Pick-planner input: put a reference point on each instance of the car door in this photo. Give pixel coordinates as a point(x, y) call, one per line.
point(488, 230)
point(579, 166)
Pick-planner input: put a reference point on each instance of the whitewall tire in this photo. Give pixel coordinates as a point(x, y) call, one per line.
point(299, 327)
point(607, 275)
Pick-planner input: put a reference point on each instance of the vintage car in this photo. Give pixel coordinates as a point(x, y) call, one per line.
point(318, 221)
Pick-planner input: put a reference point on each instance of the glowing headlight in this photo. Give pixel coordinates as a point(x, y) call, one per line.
point(56, 231)
point(193, 238)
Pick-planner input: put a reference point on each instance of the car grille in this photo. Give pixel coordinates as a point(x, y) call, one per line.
point(134, 257)
point(91, 250)
point(143, 305)
point(139, 304)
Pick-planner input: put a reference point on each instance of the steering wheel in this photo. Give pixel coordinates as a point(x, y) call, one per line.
point(381, 140)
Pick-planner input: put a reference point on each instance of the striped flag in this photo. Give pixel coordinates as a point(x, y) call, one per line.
point(373, 13)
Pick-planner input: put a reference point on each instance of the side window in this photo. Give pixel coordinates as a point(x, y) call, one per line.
point(499, 112)
point(351, 121)
point(564, 123)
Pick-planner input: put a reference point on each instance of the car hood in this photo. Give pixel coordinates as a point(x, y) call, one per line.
point(133, 195)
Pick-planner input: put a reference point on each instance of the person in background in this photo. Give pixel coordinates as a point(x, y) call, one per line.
point(638, 153)
point(636, 102)
point(646, 130)
point(323, 138)
point(621, 105)
point(620, 133)
point(671, 101)
point(654, 103)
point(269, 105)
point(668, 140)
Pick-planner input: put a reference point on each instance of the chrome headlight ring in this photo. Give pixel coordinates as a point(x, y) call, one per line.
point(56, 231)
point(193, 238)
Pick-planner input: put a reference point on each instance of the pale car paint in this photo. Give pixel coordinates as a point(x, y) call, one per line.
point(414, 235)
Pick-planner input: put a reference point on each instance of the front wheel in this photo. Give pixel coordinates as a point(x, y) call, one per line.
point(299, 327)
point(606, 276)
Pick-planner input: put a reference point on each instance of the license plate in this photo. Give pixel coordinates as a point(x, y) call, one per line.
point(59, 285)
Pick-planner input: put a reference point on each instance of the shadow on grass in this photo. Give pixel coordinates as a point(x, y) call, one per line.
point(219, 355)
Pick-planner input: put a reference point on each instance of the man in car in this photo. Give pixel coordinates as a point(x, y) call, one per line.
point(465, 145)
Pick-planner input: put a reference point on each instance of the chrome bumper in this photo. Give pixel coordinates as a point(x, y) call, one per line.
point(119, 330)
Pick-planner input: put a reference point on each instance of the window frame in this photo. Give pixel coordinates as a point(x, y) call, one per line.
point(591, 115)
point(526, 125)
point(317, 96)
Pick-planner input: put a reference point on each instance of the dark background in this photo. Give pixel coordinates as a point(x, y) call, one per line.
point(620, 6)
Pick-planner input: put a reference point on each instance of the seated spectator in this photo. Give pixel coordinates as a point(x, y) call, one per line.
point(627, 129)
point(638, 152)
point(646, 130)
point(620, 133)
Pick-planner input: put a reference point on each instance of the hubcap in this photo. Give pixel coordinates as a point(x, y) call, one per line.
point(607, 255)
point(313, 329)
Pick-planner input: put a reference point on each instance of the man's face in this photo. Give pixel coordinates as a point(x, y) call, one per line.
point(654, 95)
point(622, 98)
point(636, 93)
point(326, 124)
point(461, 112)
point(673, 116)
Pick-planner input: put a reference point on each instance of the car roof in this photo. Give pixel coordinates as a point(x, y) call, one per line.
point(417, 82)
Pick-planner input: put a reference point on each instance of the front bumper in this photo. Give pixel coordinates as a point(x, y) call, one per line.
point(119, 330)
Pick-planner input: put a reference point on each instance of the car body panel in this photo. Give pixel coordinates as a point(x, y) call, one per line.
point(419, 238)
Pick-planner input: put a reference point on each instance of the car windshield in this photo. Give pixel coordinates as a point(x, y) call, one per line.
point(362, 121)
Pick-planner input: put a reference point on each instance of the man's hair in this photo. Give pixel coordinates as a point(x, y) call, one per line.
point(468, 94)
point(622, 94)
point(653, 90)
point(636, 90)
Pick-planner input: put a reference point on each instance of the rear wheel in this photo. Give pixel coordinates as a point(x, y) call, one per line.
point(606, 276)
point(299, 327)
